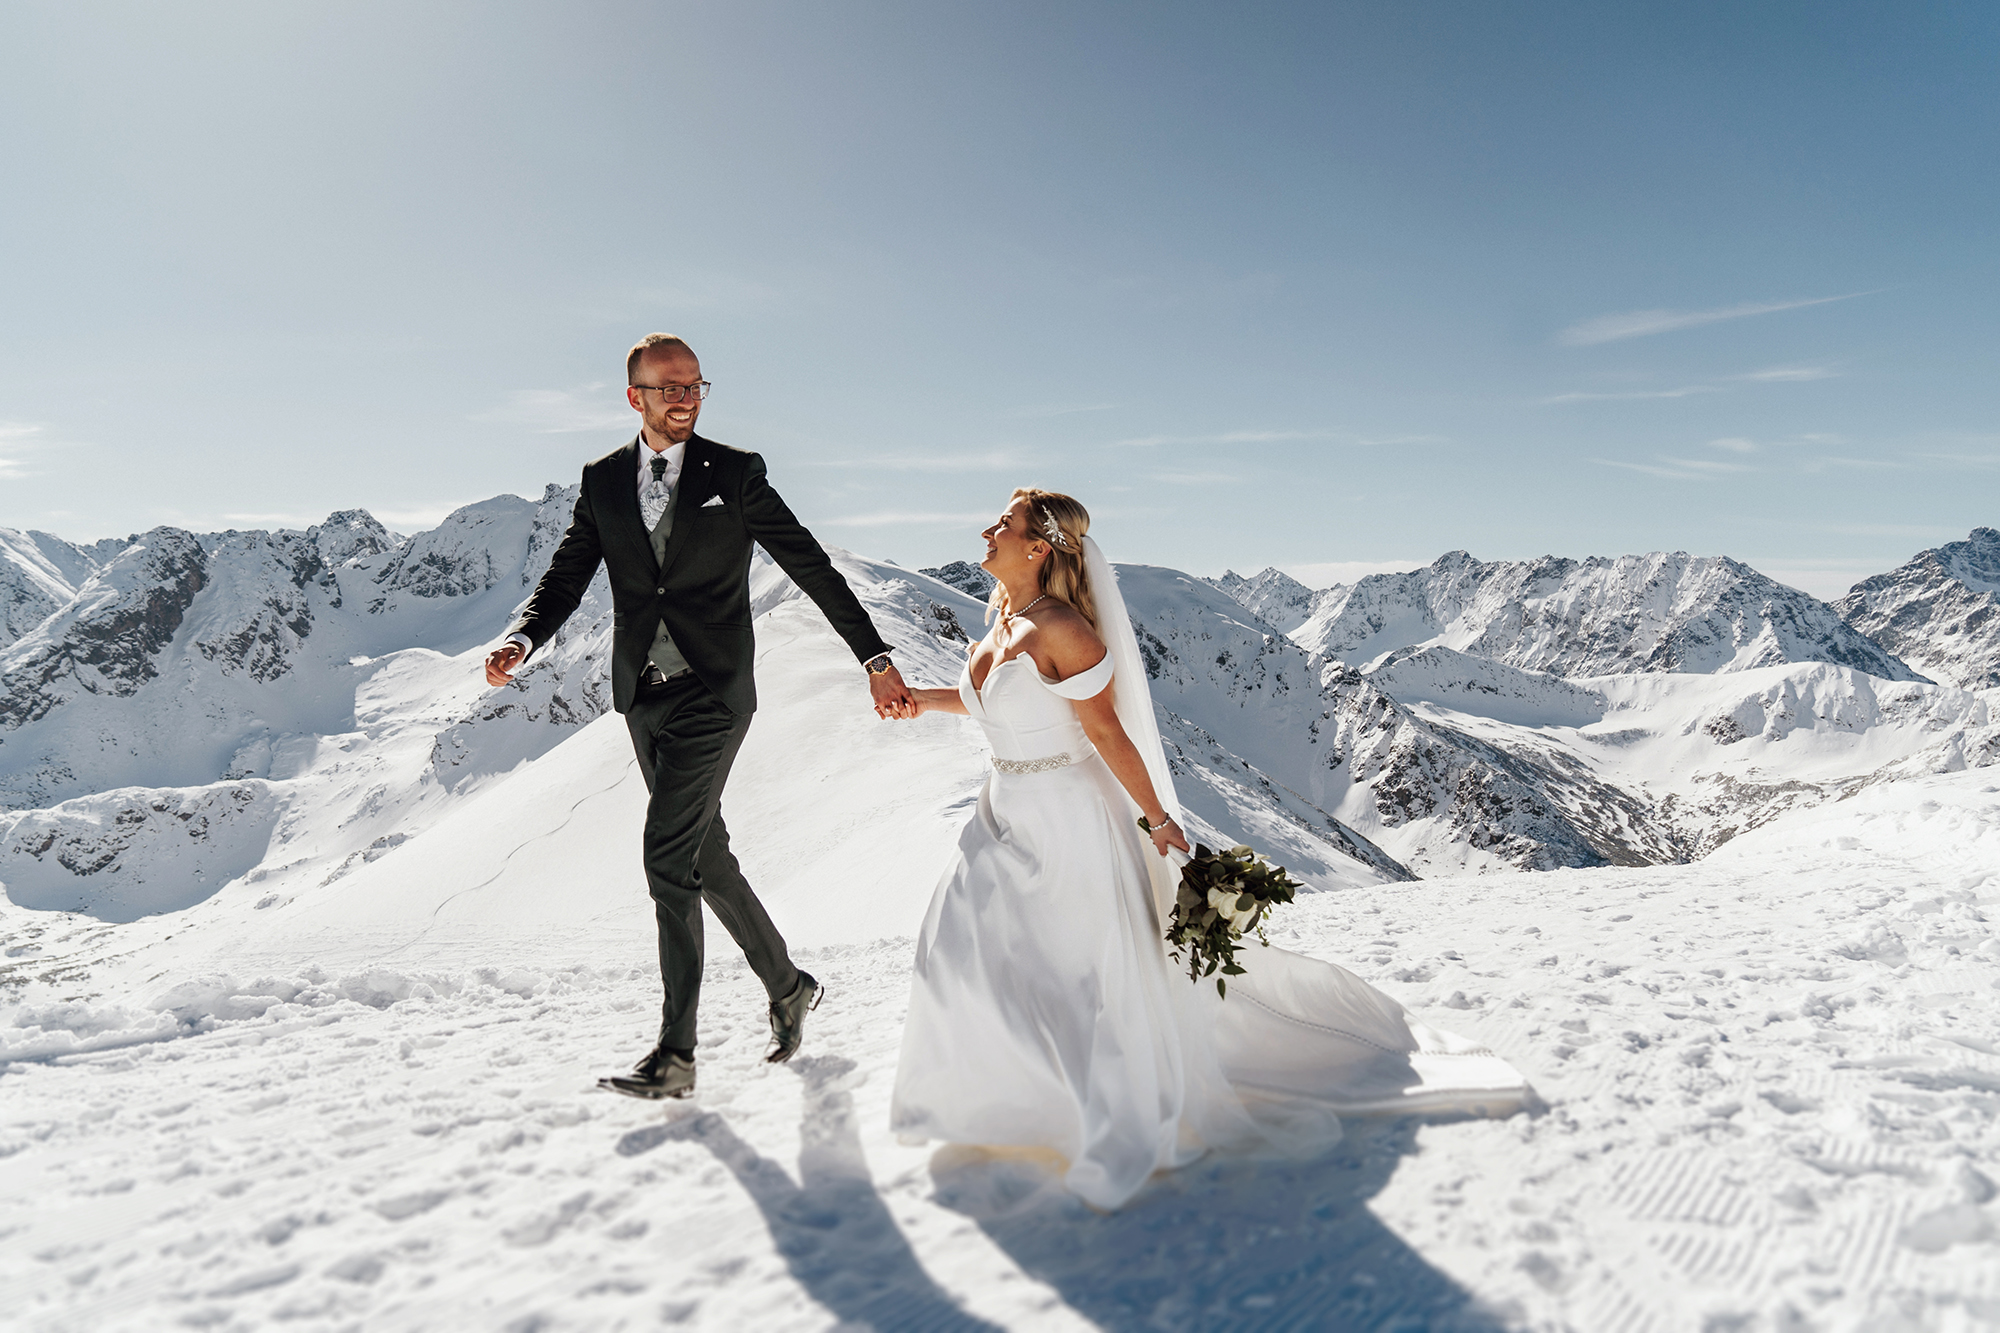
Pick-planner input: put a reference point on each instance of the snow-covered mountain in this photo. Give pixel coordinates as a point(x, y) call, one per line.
point(965, 576)
point(1940, 612)
point(1275, 596)
point(1600, 616)
point(284, 709)
point(1426, 792)
point(1699, 759)
point(40, 574)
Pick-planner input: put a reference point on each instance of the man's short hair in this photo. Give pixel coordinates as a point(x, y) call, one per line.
point(646, 344)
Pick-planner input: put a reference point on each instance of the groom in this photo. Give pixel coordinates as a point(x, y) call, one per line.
point(672, 516)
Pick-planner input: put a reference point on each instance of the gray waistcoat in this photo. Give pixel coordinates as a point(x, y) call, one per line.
point(663, 654)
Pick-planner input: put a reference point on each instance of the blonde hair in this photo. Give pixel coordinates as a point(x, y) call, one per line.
point(1062, 575)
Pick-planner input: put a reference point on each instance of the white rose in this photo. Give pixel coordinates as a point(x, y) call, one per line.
point(1225, 901)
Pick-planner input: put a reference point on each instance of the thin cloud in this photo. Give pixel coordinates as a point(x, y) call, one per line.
point(1645, 323)
point(1389, 440)
point(273, 520)
point(1687, 392)
point(1788, 375)
point(1853, 464)
point(26, 438)
point(1227, 437)
point(1824, 577)
point(562, 411)
point(1669, 469)
point(956, 461)
point(1706, 465)
point(1920, 531)
point(1773, 375)
point(1037, 413)
point(1979, 462)
point(411, 521)
point(904, 518)
point(1734, 446)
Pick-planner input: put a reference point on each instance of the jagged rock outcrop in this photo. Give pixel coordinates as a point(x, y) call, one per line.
point(1940, 612)
point(106, 639)
point(1432, 797)
point(968, 578)
point(1275, 597)
point(1595, 617)
point(472, 550)
point(40, 573)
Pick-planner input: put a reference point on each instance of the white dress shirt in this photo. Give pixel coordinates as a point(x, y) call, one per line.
point(654, 495)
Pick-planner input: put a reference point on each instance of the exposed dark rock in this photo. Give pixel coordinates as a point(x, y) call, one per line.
point(968, 578)
point(106, 640)
point(1940, 612)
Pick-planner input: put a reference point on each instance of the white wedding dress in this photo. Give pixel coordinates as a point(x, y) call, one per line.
point(1045, 1011)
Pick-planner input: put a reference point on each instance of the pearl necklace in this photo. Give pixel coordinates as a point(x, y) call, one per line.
point(1011, 616)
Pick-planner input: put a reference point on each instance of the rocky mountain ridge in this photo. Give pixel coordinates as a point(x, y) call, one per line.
point(280, 707)
point(1936, 616)
point(1664, 611)
point(1940, 611)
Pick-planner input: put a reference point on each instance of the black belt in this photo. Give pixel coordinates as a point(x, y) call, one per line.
point(652, 675)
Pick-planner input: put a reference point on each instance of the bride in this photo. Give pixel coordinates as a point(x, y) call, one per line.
point(1045, 1011)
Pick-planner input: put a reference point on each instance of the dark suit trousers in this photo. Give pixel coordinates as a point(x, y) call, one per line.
point(686, 739)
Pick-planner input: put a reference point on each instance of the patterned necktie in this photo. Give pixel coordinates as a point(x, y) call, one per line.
point(657, 495)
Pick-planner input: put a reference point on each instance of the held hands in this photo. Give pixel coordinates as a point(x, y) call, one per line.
point(890, 696)
point(500, 663)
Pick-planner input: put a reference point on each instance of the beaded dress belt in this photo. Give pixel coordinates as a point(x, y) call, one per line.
point(1046, 764)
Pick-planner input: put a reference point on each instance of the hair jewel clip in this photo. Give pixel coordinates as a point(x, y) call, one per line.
point(1055, 533)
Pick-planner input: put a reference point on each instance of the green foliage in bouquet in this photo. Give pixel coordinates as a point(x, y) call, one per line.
point(1223, 894)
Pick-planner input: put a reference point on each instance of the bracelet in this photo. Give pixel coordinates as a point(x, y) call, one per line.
point(1150, 829)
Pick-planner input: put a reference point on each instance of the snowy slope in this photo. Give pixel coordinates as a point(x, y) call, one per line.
point(1705, 757)
point(1658, 612)
point(1769, 1084)
point(39, 574)
point(1940, 612)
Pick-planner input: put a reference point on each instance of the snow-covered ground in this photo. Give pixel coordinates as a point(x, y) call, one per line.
point(1772, 1087)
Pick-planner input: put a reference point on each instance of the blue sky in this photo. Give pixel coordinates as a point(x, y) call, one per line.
point(1330, 287)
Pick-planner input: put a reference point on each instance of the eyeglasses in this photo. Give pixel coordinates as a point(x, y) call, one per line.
point(674, 393)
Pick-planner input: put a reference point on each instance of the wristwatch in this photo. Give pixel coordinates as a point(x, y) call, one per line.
point(877, 664)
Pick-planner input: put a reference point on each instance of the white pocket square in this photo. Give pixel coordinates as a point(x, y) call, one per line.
point(711, 502)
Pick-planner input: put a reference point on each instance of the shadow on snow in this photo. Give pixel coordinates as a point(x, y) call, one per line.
point(832, 1228)
point(1232, 1242)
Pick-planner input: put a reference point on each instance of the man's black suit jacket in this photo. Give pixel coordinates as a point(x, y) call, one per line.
point(702, 588)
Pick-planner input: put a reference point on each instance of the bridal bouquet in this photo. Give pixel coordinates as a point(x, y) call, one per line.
point(1223, 894)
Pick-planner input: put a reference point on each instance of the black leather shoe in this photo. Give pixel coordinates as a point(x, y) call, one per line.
point(660, 1074)
point(788, 1018)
